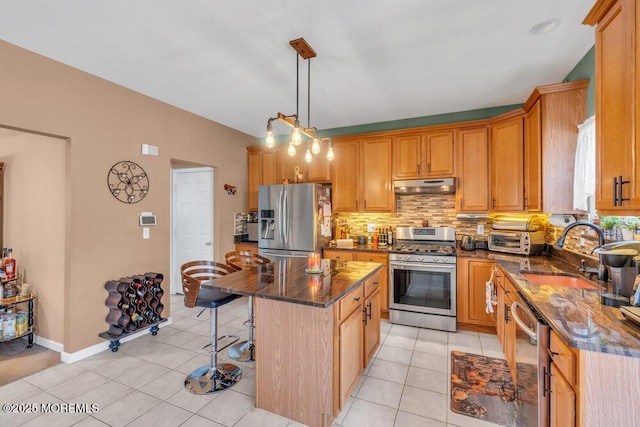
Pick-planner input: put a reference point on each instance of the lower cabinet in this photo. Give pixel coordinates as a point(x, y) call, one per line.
point(562, 406)
point(247, 247)
point(505, 325)
point(472, 277)
point(358, 332)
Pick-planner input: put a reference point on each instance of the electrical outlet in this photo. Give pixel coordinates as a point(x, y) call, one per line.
point(371, 228)
point(480, 229)
point(581, 239)
point(145, 232)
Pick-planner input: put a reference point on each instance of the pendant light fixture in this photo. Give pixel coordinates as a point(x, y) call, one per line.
point(305, 51)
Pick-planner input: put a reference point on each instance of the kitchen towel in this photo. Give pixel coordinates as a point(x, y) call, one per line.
point(490, 296)
point(584, 172)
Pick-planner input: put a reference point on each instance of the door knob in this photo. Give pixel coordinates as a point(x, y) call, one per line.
point(208, 243)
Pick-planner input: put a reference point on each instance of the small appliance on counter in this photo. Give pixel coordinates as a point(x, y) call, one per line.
point(520, 235)
point(468, 243)
point(624, 267)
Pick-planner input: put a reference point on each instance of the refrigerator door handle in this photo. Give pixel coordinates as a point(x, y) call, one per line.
point(280, 213)
point(286, 217)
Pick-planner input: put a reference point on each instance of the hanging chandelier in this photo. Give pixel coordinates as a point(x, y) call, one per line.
point(305, 51)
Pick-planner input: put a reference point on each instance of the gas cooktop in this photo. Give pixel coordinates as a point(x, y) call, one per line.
point(422, 248)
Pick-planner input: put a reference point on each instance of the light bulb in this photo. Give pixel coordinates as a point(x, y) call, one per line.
point(295, 135)
point(330, 155)
point(315, 146)
point(270, 143)
point(307, 156)
point(292, 150)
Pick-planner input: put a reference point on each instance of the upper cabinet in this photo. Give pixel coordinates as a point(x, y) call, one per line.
point(617, 137)
point(424, 155)
point(262, 171)
point(361, 175)
point(507, 154)
point(473, 170)
point(319, 170)
point(553, 113)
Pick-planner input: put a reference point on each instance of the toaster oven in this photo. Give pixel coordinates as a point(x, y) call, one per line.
point(517, 242)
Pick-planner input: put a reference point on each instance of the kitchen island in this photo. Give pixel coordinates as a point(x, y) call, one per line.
point(314, 333)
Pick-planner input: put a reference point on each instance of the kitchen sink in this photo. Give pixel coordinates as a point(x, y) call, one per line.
point(548, 278)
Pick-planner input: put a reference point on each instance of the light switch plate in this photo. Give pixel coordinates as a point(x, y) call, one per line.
point(480, 229)
point(371, 228)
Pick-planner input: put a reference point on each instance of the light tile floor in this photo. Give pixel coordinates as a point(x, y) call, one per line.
point(406, 384)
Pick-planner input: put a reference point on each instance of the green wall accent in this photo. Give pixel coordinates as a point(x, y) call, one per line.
point(586, 69)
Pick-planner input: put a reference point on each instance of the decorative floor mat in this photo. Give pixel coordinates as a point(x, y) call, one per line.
point(481, 387)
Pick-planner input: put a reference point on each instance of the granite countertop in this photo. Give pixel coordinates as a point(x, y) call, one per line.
point(575, 314)
point(286, 280)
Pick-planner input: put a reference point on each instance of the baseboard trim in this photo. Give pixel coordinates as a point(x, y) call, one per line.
point(47, 343)
point(100, 347)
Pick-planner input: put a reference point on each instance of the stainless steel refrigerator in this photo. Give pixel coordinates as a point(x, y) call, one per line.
point(293, 219)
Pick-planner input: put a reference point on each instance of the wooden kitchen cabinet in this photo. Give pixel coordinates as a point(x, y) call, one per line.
point(247, 247)
point(505, 325)
point(371, 324)
point(617, 98)
point(553, 113)
point(472, 194)
point(507, 154)
point(383, 278)
point(472, 276)
point(319, 170)
point(562, 404)
point(361, 175)
point(424, 155)
point(262, 171)
point(351, 353)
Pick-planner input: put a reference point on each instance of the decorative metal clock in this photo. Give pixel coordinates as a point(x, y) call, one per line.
point(128, 182)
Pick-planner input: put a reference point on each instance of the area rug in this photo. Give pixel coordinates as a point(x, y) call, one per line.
point(481, 387)
point(17, 361)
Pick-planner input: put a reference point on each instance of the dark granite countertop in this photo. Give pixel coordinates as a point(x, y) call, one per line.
point(287, 280)
point(576, 315)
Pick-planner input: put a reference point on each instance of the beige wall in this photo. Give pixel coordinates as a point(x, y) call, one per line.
point(107, 123)
point(34, 212)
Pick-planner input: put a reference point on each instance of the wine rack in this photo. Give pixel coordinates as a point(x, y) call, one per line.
point(135, 304)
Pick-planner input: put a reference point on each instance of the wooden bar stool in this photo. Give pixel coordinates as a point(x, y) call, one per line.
point(244, 350)
point(214, 377)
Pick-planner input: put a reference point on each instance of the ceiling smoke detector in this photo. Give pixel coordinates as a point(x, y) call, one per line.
point(545, 26)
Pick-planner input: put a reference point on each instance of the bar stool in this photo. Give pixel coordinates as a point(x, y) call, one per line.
point(244, 350)
point(214, 377)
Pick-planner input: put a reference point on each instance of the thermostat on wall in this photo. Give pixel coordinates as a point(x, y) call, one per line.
point(147, 218)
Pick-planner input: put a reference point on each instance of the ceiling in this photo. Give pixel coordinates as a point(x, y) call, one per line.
point(376, 61)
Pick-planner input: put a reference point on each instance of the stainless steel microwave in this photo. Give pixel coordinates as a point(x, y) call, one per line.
point(517, 242)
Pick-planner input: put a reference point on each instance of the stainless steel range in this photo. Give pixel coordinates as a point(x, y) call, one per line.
point(422, 278)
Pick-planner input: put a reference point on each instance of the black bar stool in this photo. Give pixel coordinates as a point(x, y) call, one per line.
point(244, 350)
point(214, 377)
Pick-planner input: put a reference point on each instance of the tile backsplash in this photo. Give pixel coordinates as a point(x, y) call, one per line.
point(439, 210)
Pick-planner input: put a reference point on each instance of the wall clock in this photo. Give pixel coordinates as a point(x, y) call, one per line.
point(128, 182)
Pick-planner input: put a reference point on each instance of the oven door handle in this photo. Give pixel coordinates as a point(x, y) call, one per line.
point(422, 267)
point(514, 314)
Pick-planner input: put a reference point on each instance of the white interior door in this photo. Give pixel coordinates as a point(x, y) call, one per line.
point(192, 219)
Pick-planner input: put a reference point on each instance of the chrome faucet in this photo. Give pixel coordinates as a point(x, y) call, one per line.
point(602, 268)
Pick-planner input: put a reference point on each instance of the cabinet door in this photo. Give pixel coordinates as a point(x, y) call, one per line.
point(509, 338)
point(319, 170)
point(346, 176)
point(562, 405)
point(338, 255)
point(507, 165)
point(287, 164)
point(371, 314)
point(407, 156)
point(377, 186)
point(440, 153)
point(533, 159)
point(473, 171)
point(255, 175)
point(473, 275)
point(500, 308)
point(351, 354)
point(615, 66)
point(383, 275)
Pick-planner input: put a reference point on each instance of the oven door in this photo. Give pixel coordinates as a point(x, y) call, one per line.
point(423, 287)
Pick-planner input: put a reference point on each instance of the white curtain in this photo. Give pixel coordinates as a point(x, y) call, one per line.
point(584, 178)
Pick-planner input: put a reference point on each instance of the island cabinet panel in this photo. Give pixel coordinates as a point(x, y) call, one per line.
point(472, 276)
point(507, 155)
point(298, 382)
point(383, 276)
point(473, 170)
point(371, 325)
point(562, 405)
point(351, 354)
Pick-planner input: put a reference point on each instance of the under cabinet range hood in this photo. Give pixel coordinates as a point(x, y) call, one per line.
point(425, 186)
